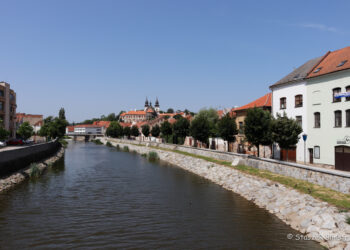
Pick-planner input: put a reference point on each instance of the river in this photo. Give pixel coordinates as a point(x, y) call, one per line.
point(97, 197)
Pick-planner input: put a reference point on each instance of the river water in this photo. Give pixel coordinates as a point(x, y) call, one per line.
point(98, 198)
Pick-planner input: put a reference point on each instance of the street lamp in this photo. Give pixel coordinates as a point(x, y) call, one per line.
point(304, 138)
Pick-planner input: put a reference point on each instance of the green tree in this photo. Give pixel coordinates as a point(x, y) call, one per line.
point(170, 110)
point(25, 130)
point(257, 127)
point(127, 132)
point(166, 130)
point(181, 129)
point(4, 134)
point(227, 129)
point(200, 129)
point(62, 114)
point(145, 130)
point(155, 130)
point(286, 131)
point(53, 127)
point(111, 117)
point(135, 131)
point(114, 130)
point(211, 116)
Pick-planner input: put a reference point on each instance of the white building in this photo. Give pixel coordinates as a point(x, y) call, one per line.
point(289, 96)
point(328, 110)
point(87, 129)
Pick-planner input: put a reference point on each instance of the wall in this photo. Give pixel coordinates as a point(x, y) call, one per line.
point(320, 92)
point(290, 91)
point(333, 179)
point(13, 160)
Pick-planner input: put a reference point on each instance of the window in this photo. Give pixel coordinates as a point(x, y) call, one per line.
point(337, 119)
point(299, 120)
point(347, 112)
point(342, 63)
point(1, 93)
point(240, 127)
point(318, 70)
point(1, 106)
point(283, 103)
point(317, 118)
point(335, 92)
point(348, 91)
point(12, 97)
point(298, 101)
point(317, 152)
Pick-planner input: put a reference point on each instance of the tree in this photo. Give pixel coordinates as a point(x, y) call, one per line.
point(227, 129)
point(211, 117)
point(200, 129)
point(145, 130)
point(127, 132)
point(111, 117)
point(170, 110)
point(257, 128)
point(166, 130)
point(181, 129)
point(155, 130)
point(54, 127)
point(135, 131)
point(62, 114)
point(177, 117)
point(286, 131)
point(25, 130)
point(114, 130)
point(4, 134)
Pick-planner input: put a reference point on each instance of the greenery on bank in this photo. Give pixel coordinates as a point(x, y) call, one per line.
point(126, 149)
point(34, 171)
point(152, 156)
point(108, 144)
point(54, 127)
point(63, 142)
point(340, 200)
point(97, 142)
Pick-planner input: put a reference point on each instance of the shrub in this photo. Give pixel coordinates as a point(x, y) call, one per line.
point(63, 142)
point(153, 156)
point(34, 171)
point(144, 155)
point(347, 219)
point(126, 149)
point(108, 144)
point(97, 142)
point(117, 147)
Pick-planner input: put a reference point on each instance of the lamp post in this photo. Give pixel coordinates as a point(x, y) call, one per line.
point(304, 138)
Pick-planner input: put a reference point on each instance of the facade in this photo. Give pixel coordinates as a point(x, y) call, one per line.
point(289, 96)
point(8, 108)
point(149, 112)
point(36, 121)
point(328, 110)
point(87, 129)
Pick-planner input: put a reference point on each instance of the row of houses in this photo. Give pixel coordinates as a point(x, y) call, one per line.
point(317, 96)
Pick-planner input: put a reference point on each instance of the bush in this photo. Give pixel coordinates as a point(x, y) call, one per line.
point(126, 149)
point(144, 155)
point(63, 142)
point(108, 144)
point(117, 147)
point(34, 171)
point(153, 156)
point(97, 142)
point(347, 219)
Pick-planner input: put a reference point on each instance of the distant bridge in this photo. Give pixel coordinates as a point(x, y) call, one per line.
point(83, 136)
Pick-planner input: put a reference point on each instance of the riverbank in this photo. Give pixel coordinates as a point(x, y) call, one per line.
point(18, 177)
point(315, 219)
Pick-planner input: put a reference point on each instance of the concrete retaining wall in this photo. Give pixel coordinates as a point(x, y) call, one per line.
point(13, 160)
point(333, 179)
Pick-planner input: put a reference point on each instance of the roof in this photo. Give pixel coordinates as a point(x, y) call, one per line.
point(124, 124)
point(299, 73)
point(264, 101)
point(86, 126)
point(331, 63)
point(136, 112)
point(70, 128)
point(105, 124)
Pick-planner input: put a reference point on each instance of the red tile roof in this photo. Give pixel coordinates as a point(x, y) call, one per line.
point(70, 128)
point(124, 124)
point(264, 101)
point(330, 62)
point(86, 126)
point(105, 124)
point(137, 112)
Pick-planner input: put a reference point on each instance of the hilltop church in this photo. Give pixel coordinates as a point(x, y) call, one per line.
point(149, 112)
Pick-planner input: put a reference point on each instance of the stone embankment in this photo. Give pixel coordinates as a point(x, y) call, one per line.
point(314, 219)
point(9, 182)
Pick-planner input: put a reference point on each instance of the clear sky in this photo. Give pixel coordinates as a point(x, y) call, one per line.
point(97, 57)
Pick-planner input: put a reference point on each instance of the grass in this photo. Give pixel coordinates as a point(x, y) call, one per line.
point(108, 144)
point(34, 172)
point(152, 156)
point(126, 149)
point(330, 196)
point(97, 142)
point(63, 142)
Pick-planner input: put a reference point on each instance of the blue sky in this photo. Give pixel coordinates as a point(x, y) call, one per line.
point(97, 57)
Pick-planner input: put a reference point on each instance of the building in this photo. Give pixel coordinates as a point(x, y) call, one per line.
point(36, 121)
point(87, 129)
point(328, 110)
point(241, 145)
point(149, 112)
point(289, 96)
point(8, 108)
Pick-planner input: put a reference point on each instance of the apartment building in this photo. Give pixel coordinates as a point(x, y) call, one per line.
point(8, 108)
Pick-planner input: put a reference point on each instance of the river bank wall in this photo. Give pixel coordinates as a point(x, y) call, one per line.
point(53, 153)
point(314, 219)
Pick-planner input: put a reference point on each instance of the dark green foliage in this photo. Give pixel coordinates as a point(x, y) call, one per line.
point(127, 131)
point(227, 129)
point(114, 130)
point(200, 129)
point(166, 129)
point(25, 131)
point(170, 110)
point(153, 156)
point(34, 171)
point(97, 142)
point(155, 130)
point(4, 134)
point(108, 144)
point(126, 149)
point(181, 129)
point(285, 131)
point(63, 142)
point(117, 147)
point(135, 131)
point(178, 116)
point(62, 114)
point(347, 219)
point(54, 127)
point(257, 127)
point(145, 130)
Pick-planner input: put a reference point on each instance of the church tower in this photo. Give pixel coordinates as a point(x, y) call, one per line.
point(146, 104)
point(156, 106)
